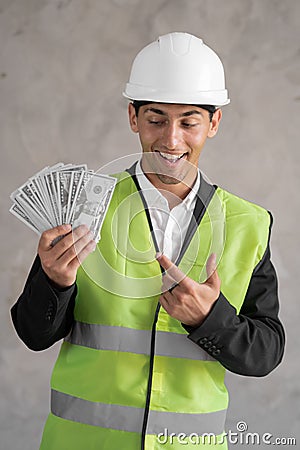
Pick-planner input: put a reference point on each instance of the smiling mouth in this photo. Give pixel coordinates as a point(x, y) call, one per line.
point(171, 157)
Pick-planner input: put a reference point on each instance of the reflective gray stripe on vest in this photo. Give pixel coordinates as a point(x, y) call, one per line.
point(103, 337)
point(127, 418)
point(103, 415)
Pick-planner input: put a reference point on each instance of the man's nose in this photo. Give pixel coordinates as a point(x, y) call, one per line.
point(171, 136)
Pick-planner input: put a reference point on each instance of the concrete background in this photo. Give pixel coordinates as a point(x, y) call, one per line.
point(63, 66)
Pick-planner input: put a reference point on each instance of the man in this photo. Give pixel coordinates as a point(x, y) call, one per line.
point(150, 324)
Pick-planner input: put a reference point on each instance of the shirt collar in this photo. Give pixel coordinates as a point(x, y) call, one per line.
point(152, 194)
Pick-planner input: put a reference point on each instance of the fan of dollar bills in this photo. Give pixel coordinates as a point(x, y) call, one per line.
point(64, 194)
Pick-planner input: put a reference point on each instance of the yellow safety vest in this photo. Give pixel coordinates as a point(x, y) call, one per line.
point(127, 377)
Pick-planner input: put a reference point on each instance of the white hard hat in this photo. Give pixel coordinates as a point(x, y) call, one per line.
point(177, 68)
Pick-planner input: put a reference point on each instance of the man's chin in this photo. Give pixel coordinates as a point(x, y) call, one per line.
point(167, 179)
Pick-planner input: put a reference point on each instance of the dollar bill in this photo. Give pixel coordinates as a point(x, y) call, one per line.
point(93, 201)
point(63, 193)
point(21, 215)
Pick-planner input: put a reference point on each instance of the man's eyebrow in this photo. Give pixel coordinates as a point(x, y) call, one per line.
point(191, 113)
point(162, 113)
point(156, 111)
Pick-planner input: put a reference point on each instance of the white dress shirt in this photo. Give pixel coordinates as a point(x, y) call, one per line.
point(169, 226)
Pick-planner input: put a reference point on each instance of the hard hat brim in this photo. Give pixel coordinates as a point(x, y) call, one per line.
point(215, 98)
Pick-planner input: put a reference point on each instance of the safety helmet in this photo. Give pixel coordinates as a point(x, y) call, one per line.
point(177, 68)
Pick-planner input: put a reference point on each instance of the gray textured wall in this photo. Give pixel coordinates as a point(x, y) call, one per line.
point(63, 65)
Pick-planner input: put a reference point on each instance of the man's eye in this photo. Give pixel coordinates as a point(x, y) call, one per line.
point(156, 122)
point(188, 124)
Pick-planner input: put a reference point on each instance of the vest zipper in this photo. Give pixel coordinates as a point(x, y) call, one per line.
point(149, 387)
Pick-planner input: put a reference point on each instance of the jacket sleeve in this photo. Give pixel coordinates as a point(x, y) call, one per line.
point(43, 314)
point(251, 342)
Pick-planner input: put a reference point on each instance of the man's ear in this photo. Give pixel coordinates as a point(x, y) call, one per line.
point(132, 118)
point(214, 124)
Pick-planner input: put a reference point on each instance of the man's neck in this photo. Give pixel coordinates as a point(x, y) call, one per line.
point(173, 192)
point(181, 188)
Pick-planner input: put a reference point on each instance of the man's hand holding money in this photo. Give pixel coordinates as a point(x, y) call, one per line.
point(66, 204)
point(61, 261)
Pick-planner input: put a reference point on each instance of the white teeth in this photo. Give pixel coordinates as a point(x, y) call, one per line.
point(170, 157)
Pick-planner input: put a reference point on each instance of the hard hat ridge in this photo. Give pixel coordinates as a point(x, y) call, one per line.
point(177, 68)
point(177, 45)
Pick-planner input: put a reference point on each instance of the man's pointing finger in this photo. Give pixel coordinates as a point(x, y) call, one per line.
point(171, 269)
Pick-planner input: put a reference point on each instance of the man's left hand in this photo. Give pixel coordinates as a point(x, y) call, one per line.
point(185, 299)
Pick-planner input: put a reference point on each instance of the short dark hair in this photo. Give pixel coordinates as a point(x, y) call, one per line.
point(138, 103)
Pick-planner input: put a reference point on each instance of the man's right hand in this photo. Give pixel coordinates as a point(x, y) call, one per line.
point(61, 261)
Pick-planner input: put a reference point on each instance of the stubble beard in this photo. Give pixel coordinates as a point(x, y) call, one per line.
point(167, 179)
point(165, 176)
